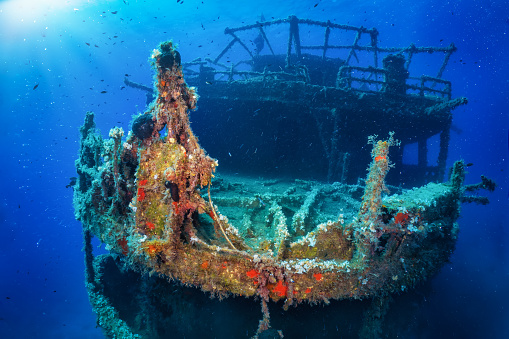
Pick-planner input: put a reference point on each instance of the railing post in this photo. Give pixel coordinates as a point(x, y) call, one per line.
point(326, 40)
point(294, 27)
point(374, 44)
point(230, 77)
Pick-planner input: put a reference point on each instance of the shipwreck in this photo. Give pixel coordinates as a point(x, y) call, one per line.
point(331, 233)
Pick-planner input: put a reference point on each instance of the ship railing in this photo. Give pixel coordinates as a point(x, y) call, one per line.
point(371, 79)
point(211, 72)
point(230, 70)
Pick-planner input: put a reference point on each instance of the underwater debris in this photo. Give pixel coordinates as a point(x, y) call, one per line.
point(143, 198)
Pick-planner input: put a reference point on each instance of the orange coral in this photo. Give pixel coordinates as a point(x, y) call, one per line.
point(150, 225)
point(141, 194)
point(400, 218)
point(154, 246)
point(252, 273)
point(318, 276)
point(152, 249)
point(280, 289)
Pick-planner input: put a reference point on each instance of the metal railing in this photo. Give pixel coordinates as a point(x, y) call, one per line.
point(425, 84)
point(295, 69)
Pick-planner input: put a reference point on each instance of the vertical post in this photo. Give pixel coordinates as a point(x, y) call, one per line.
point(230, 76)
point(89, 257)
point(289, 49)
point(326, 40)
point(344, 172)
point(294, 28)
point(374, 44)
point(444, 148)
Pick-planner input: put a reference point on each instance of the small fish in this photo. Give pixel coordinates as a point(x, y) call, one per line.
point(208, 82)
point(86, 43)
point(114, 12)
point(37, 85)
point(72, 182)
point(96, 46)
point(121, 88)
point(469, 164)
point(126, 75)
point(102, 92)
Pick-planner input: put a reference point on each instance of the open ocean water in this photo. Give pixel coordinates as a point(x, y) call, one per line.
point(60, 59)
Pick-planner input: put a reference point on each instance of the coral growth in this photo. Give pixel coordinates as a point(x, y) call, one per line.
point(368, 217)
point(149, 199)
point(375, 182)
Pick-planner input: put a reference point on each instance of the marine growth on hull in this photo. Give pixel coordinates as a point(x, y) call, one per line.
point(154, 198)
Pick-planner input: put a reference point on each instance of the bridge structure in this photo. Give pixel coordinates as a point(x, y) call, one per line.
point(289, 100)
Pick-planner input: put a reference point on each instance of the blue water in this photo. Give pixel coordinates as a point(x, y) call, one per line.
point(57, 58)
